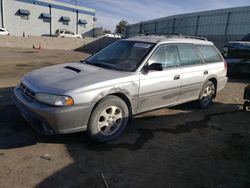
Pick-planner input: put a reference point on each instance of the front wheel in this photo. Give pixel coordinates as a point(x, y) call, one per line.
point(207, 95)
point(108, 120)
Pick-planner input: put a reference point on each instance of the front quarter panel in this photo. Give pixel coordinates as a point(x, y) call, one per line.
point(128, 86)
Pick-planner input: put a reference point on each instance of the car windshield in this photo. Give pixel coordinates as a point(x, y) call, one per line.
point(122, 55)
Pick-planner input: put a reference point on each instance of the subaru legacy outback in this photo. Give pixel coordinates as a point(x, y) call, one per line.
point(102, 93)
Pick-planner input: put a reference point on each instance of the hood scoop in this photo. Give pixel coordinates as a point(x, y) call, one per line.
point(72, 69)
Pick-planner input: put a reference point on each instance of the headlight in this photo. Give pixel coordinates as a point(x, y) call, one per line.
point(56, 100)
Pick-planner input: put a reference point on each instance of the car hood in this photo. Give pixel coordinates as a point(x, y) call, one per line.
point(72, 77)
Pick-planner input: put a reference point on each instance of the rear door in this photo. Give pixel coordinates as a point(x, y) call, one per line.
point(160, 88)
point(193, 72)
point(215, 64)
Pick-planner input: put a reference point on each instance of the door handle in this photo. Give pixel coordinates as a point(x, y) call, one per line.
point(176, 77)
point(205, 72)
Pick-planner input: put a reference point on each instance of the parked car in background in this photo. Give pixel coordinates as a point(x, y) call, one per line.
point(4, 31)
point(129, 77)
point(237, 55)
point(63, 33)
point(113, 35)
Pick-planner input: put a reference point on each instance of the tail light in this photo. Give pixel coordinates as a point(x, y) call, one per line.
point(225, 64)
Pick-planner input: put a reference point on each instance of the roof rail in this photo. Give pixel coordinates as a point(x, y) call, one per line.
point(169, 35)
point(164, 34)
point(196, 37)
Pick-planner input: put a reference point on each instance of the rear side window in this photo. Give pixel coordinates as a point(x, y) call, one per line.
point(209, 53)
point(188, 55)
point(167, 55)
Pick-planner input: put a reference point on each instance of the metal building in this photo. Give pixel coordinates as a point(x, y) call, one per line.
point(44, 17)
point(218, 26)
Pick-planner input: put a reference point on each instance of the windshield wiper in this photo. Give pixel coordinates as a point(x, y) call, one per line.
point(105, 65)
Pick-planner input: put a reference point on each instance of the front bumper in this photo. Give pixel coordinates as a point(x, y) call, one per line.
point(53, 120)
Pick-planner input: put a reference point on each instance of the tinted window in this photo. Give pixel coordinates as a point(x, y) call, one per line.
point(210, 54)
point(167, 55)
point(188, 55)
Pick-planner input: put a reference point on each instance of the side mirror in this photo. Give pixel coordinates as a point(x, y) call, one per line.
point(154, 66)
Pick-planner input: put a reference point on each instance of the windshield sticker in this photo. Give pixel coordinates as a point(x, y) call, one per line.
point(142, 45)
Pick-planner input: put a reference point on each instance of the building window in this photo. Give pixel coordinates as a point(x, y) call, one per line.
point(24, 17)
point(82, 23)
point(65, 23)
point(24, 14)
point(45, 17)
point(65, 20)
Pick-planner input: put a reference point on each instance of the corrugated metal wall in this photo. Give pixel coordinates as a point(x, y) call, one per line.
point(218, 26)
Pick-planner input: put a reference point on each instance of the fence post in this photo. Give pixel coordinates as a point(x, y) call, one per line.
point(197, 25)
point(173, 29)
point(226, 27)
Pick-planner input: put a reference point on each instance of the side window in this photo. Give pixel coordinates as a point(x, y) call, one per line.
point(188, 55)
point(167, 55)
point(209, 53)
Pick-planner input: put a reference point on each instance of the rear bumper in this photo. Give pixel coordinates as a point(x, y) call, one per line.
point(221, 83)
point(52, 120)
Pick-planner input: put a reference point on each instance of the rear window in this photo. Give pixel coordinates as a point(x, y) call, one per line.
point(210, 54)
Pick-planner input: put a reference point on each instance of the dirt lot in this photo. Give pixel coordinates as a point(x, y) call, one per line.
point(177, 147)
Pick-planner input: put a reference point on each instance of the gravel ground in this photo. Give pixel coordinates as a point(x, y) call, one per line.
point(177, 147)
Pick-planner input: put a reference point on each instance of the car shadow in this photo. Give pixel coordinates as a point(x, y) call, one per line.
point(92, 159)
point(16, 132)
point(96, 45)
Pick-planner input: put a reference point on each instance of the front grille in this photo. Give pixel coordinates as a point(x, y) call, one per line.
point(27, 92)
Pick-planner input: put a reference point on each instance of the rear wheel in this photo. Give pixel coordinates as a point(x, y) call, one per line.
point(109, 119)
point(246, 106)
point(207, 95)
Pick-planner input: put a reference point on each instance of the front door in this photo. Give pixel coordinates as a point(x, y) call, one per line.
point(160, 88)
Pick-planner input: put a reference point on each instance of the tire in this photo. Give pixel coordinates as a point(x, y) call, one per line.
point(108, 119)
point(207, 95)
point(246, 106)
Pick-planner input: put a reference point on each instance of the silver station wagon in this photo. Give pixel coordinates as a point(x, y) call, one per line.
point(101, 94)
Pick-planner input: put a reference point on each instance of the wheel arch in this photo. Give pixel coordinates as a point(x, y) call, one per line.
point(212, 78)
point(215, 82)
point(120, 95)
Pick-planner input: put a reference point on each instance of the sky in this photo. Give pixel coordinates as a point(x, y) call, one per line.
point(110, 12)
